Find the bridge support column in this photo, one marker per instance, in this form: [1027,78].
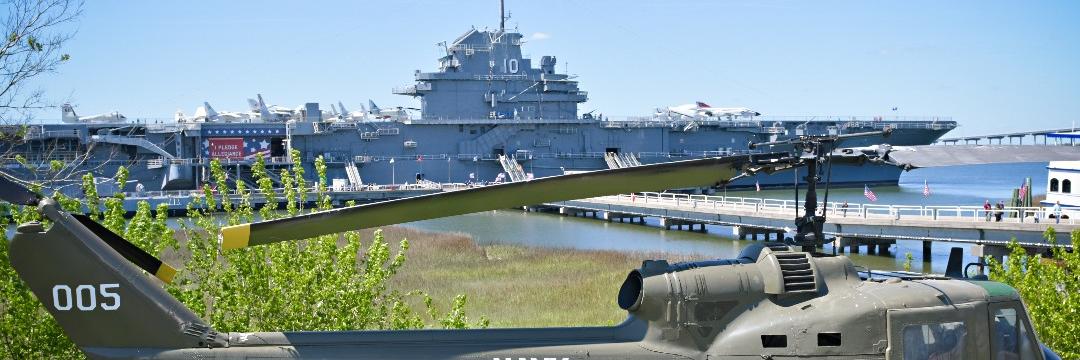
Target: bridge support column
[883,248]
[996,252]
[926,253]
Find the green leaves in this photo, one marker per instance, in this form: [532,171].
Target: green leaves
[90,195]
[1050,288]
[55,166]
[34,44]
[122,175]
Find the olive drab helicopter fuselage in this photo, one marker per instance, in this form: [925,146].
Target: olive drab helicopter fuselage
[773,301]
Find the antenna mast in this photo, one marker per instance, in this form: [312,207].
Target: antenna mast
[502,16]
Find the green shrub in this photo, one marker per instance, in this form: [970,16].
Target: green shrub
[1050,289]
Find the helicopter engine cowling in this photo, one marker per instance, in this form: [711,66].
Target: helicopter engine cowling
[680,292]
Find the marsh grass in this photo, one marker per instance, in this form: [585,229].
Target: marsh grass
[518,286]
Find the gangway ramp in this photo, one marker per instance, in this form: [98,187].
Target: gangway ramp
[611,160]
[620,160]
[512,168]
[353,173]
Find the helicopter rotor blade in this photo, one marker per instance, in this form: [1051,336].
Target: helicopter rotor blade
[129,251]
[921,156]
[654,177]
[16,193]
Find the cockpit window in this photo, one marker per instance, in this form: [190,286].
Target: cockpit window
[1011,336]
[941,341]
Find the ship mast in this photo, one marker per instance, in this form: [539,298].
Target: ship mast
[502,16]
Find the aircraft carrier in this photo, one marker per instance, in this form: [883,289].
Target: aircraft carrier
[487,114]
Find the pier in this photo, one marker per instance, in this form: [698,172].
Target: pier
[873,226]
[1018,137]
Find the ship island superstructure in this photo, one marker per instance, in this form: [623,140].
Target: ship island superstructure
[487,114]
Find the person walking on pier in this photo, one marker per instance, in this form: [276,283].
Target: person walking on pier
[1000,211]
[1057,211]
[986,209]
[844,208]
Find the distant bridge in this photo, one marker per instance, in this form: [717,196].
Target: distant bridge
[1018,136]
[858,224]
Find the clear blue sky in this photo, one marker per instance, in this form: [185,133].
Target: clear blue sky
[991,65]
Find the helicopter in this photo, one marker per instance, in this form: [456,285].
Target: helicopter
[779,300]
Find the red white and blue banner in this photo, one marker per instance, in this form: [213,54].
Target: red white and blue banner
[235,147]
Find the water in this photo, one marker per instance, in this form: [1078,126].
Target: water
[960,185]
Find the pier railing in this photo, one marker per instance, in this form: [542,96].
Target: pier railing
[957,213]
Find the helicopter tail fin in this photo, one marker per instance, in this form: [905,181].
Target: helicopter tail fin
[96,291]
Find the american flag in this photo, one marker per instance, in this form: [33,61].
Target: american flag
[1023,190]
[869,194]
[925,189]
[757,186]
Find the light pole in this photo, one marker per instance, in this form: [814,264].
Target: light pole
[476,167]
[393,172]
[448,169]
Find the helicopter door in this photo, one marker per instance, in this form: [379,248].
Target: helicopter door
[935,333]
[1011,337]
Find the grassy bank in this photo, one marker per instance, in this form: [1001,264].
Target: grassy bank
[517,286]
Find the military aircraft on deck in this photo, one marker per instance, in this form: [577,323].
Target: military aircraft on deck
[773,301]
[700,109]
[68,116]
